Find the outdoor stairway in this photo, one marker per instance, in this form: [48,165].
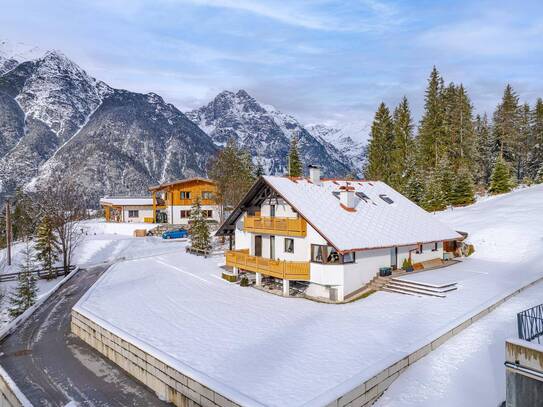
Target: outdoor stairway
[396,285]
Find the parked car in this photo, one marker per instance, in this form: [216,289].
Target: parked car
[175,234]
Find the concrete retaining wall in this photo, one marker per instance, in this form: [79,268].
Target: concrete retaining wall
[10,395]
[166,382]
[366,394]
[182,391]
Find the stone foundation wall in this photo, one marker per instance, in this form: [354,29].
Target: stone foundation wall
[182,391]
[367,393]
[166,382]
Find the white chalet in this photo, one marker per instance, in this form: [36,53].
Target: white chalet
[333,234]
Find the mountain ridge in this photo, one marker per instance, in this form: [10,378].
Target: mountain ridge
[266,133]
[55,117]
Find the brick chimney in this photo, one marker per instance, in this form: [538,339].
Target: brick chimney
[314,174]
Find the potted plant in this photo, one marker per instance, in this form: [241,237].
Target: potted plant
[407,265]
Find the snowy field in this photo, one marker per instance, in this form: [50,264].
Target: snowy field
[102,242]
[468,369]
[261,349]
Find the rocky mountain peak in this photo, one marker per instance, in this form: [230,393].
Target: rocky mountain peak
[56,118]
[265,132]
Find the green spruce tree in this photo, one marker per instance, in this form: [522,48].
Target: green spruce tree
[524,145]
[445,173]
[535,158]
[483,153]
[200,238]
[431,138]
[26,292]
[459,130]
[295,168]
[414,181]
[403,146]
[462,190]
[434,198]
[380,161]
[506,125]
[47,246]
[501,180]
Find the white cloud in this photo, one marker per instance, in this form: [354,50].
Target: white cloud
[377,15]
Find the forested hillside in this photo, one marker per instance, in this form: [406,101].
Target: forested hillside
[452,152]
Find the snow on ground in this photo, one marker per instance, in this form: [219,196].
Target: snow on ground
[261,349]
[468,369]
[102,242]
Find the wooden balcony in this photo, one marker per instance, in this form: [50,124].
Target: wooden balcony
[275,226]
[290,270]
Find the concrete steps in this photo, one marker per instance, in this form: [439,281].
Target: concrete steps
[396,285]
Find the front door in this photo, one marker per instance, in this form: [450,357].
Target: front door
[394,257]
[258,246]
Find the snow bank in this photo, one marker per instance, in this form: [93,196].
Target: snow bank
[100,226]
[249,345]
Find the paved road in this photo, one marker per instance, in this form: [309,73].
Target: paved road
[53,367]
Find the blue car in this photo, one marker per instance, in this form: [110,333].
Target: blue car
[175,234]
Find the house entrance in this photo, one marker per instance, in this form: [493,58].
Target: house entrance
[394,257]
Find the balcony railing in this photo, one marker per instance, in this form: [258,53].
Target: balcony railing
[275,226]
[290,270]
[530,323]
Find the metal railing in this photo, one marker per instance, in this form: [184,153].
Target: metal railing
[530,324]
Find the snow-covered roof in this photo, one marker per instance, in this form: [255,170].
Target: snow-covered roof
[382,217]
[126,201]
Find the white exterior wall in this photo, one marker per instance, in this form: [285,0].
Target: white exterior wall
[346,278]
[282,209]
[144,212]
[174,213]
[428,253]
[365,268]
[242,239]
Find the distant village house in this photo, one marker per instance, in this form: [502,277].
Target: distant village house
[169,203]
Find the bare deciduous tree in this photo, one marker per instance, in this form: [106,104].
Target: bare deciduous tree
[63,201]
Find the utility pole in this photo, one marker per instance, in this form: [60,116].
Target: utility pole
[8,231]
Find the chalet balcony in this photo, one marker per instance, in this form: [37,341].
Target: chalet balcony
[289,270]
[275,226]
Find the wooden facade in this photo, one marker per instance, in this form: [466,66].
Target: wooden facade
[275,225]
[288,270]
[183,193]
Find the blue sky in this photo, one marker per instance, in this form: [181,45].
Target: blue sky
[320,60]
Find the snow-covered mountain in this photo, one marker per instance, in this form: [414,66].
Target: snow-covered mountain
[55,118]
[349,139]
[266,133]
[13,53]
